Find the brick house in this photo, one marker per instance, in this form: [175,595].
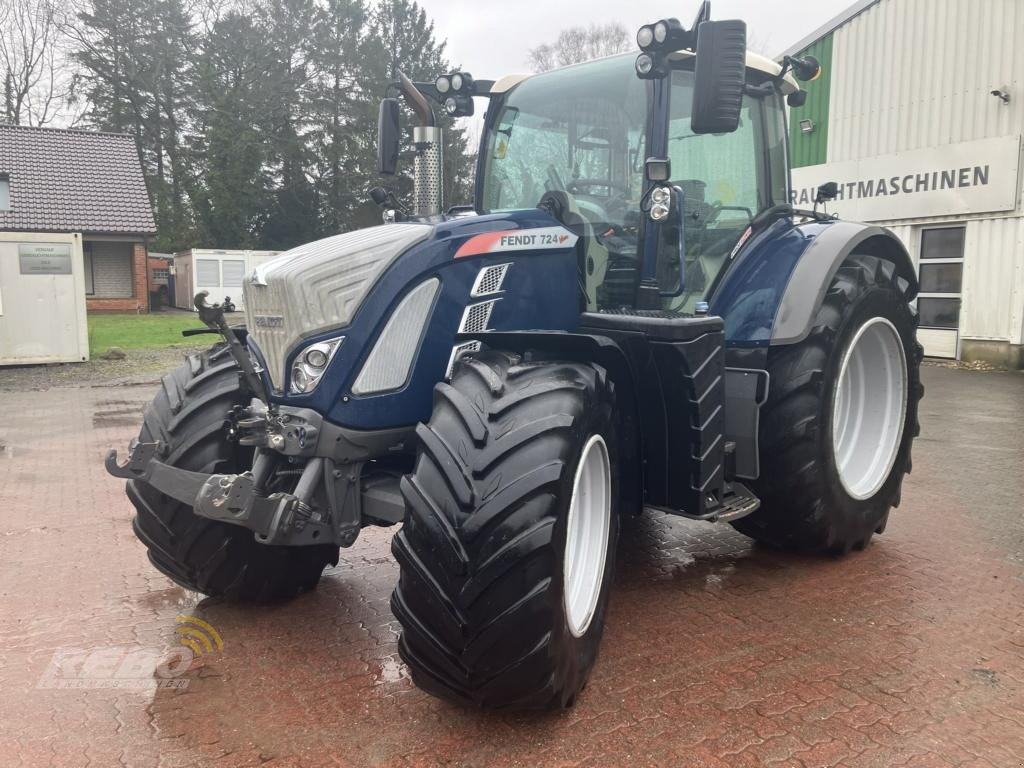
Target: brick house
[55,180]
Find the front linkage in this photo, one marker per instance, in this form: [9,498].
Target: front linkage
[330,458]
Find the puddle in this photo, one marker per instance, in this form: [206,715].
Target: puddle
[116,413]
[177,598]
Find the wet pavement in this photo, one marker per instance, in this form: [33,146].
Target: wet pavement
[716,653]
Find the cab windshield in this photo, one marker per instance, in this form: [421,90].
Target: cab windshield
[580,133]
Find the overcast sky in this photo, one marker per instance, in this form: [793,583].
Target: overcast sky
[491,39]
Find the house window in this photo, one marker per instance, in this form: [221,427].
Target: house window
[5,193]
[90,283]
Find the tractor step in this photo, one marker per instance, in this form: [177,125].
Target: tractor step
[737,502]
[740,502]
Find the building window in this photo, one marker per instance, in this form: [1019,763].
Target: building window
[941,276]
[207,273]
[5,193]
[233,272]
[108,269]
[161,274]
[90,283]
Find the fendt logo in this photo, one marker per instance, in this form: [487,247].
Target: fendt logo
[528,241]
[269,321]
[133,668]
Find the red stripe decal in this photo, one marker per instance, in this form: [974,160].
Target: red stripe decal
[481,243]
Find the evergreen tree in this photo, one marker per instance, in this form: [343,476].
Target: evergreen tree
[233,192]
[256,120]
[338,113]
[293,215]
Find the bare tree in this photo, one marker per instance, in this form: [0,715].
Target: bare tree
[576,44]
[37,80]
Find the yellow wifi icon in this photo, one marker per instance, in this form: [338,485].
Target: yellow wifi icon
[198,635]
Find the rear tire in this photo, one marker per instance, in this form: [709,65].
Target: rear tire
[215,558]
[516,466]
[813,498]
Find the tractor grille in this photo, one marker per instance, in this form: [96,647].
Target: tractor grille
[489,280]
[477,317]
[458,351]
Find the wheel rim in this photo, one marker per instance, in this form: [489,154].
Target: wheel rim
[869,408]
[586,539]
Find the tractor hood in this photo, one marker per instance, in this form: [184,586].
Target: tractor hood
[318,286]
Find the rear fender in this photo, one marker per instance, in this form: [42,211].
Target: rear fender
[815,270]
[772,293]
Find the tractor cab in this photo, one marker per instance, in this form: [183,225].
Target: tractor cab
[577,141]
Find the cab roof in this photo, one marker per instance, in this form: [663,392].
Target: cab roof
[754,61]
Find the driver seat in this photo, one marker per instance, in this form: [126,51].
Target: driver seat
[593,255]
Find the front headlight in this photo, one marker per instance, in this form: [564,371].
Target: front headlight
[310,364]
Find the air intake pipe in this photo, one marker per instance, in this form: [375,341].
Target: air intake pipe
[428,164]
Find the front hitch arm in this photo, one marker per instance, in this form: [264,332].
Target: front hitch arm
[280,518]
[212,316]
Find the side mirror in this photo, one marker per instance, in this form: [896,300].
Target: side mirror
[719,76]
[805,68]
[388,137]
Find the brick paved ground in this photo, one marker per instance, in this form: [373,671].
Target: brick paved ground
[716,653]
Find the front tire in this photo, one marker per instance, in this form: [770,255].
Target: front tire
[208,556]
[507,549]
[841,416]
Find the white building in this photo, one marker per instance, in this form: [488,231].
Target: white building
[918,116]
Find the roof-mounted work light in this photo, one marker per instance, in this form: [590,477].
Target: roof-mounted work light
[454,92]
[456,83]
[664,35]
[651,66]
[661,38]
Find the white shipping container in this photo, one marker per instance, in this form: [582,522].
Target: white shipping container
[218,271]
[42,299]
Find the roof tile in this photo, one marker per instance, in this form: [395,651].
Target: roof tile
[65,180]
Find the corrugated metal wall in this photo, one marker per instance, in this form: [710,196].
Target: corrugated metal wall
[918,73]
[910,74]
[811,148]
[992,302]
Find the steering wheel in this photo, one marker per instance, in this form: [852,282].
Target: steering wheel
[718,208]
[575,185]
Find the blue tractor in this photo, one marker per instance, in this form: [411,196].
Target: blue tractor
[631,315]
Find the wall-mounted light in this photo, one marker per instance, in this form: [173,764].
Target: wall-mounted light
[806,125]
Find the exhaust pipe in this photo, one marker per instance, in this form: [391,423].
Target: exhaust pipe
[428,165]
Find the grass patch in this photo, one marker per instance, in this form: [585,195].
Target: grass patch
[154,331]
